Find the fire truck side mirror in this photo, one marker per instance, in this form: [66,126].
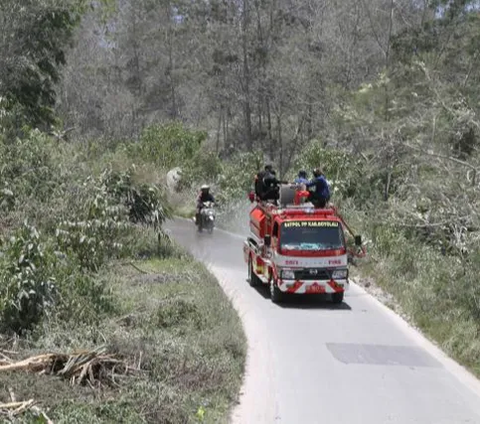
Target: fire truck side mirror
[268,240]
[358,240]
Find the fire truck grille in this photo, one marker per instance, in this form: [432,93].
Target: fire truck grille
[313,274]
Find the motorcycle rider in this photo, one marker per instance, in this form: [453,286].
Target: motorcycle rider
[320,195]
[204,196]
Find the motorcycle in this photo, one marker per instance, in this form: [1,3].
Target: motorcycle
[207,218]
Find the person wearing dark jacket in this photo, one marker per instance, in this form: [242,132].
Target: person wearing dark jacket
[204,196]
[259,183]
[320,193]
[271,186]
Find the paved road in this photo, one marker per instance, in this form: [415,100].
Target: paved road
[312,362]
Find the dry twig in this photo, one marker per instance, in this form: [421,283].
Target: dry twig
[92,367]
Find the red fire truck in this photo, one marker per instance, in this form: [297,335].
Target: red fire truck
[299,249]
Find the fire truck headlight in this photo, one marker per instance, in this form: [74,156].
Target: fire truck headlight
[340,274]
[287,274]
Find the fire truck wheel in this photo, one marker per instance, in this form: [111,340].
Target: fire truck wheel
[276,295]
[253,280]
[337,297]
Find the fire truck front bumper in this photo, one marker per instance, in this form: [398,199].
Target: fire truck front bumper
[314,287]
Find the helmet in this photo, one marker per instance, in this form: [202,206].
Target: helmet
[205,187]
[302,173]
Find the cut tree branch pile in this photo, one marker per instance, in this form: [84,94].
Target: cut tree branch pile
[92,367]
[14,408]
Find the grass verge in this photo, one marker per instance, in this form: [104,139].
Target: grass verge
[173,323]
[438,293]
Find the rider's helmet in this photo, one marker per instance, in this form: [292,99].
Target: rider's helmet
[205,188]
[317,172]
[302,174]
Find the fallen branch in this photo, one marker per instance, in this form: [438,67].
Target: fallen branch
[12,395]
[85,366]
[438,155]
[15,405]
[14,408]
[41,413]
[136,267]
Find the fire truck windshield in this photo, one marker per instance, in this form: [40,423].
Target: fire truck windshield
[311,235]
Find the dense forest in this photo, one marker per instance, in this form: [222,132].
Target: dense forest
[99,99]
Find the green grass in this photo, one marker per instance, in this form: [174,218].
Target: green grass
[440,294]
[175,322]
[185,212]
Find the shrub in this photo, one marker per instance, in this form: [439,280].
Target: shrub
[168,145]
[238,176]
[81,223]
[27,168]
[28,286]
[145,203]
[36,280]
[204,166]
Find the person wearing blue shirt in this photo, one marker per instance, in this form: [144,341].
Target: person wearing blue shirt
[301,178]
[320,193]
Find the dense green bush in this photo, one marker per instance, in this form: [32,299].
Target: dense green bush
[205,166]
[167,145]
[26,168]
[145,203]
[28,286]
[238,176]
[81,222]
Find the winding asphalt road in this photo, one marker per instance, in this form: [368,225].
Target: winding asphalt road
[312,362]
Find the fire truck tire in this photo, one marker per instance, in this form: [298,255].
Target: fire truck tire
[276,295]
[337,298]
[287,195]
[253,280]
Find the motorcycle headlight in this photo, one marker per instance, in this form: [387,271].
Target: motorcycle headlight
[287,274]
[340,274]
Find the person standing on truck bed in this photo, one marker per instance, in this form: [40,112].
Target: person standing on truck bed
[302,178]
[266,184]
[320,194]
[259,185]
[271,186]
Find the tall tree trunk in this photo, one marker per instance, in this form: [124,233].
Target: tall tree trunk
[388,178]
[224,127]
[271,142]
[246,77]
[219,127]
[280,144]
[137,89]
[171,65]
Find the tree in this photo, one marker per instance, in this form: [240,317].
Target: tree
[35,36]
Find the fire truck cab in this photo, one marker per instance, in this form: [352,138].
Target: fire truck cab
[298,249]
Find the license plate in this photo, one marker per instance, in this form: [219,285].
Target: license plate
[315,288]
